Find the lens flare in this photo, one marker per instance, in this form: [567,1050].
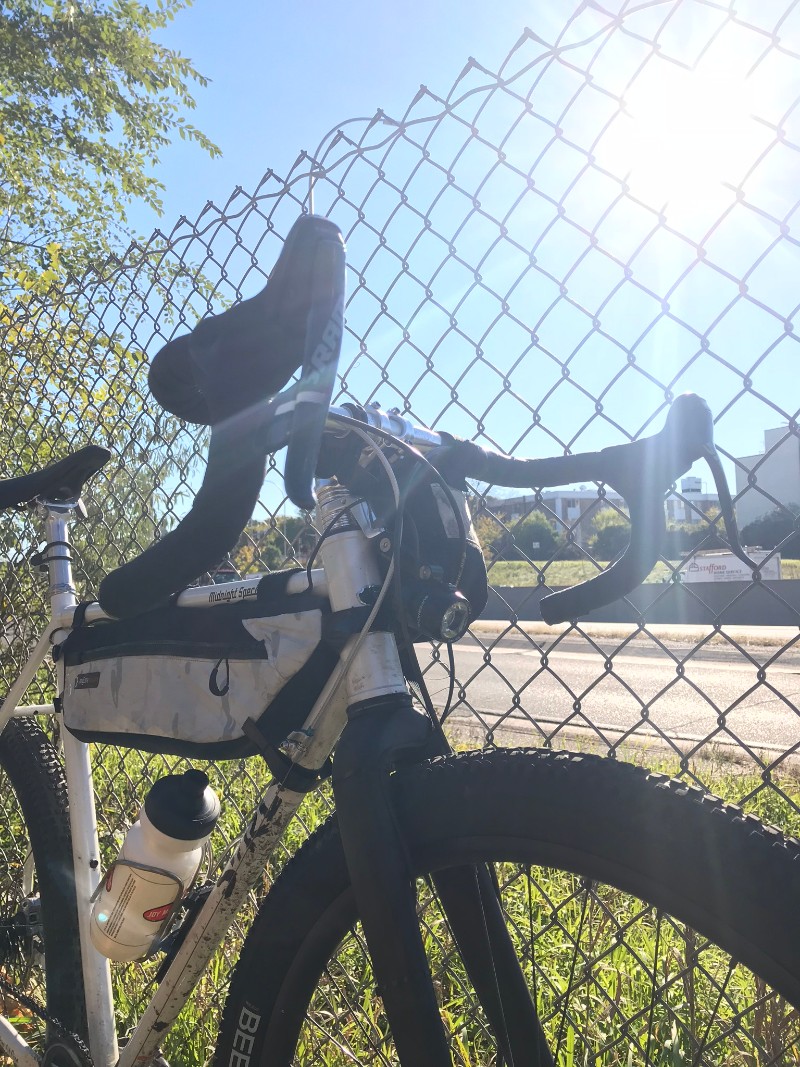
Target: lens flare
[683,135]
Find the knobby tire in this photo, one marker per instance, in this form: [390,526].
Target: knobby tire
[630,898]
[39,954]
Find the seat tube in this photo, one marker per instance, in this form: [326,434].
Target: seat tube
[57,558]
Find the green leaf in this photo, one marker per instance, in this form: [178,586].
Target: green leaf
[89,100]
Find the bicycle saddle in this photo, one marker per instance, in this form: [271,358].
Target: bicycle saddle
[250,351]
[62,480]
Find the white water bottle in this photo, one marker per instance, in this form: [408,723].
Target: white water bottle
[158,862]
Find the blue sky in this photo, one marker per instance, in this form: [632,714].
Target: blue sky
[283,74]
[282,77]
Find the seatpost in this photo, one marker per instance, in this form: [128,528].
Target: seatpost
[57,558]
[56,516]
[57,555]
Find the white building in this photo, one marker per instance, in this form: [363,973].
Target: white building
[692,504]
[577,507]
[776,472]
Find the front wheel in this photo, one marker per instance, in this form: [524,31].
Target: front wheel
[654,923]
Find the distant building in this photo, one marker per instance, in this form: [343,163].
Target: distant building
[691,505]
[576,508]
[775,472]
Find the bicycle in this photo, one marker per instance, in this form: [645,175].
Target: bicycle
[430,854]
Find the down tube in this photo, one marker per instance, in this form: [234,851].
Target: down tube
[250,857]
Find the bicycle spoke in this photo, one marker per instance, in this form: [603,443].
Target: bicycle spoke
[653,996]
[624,985]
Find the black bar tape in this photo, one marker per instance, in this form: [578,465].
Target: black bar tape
[222,508]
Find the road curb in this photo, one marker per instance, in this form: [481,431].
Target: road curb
[748,636]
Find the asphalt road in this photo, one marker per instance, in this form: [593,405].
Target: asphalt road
[537,686]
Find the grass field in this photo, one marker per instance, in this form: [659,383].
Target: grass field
[570,572]
[347,1016]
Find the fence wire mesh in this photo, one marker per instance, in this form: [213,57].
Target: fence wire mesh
[540,260]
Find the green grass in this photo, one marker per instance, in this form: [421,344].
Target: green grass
[121,778]
[604,1016]
[611,928]
[570,572]
[557,907]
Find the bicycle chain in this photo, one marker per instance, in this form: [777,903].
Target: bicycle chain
[64,1033]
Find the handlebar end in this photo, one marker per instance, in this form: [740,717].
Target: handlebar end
[323,344]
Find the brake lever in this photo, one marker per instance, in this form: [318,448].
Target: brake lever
[642,472]
[726,508]
[698,433]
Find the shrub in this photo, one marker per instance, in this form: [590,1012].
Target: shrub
[531,538]
[780,528]
[613,534]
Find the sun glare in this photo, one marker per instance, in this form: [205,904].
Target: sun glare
[683,135]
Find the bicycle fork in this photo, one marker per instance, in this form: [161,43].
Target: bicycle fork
[382,731]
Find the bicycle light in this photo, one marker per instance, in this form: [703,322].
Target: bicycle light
[439,612]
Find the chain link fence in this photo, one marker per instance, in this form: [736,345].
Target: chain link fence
[540,260]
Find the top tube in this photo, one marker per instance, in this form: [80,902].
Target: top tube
[210,596]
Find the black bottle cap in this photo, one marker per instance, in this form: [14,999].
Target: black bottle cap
[183,806]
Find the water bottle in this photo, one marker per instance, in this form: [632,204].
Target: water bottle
[158,861]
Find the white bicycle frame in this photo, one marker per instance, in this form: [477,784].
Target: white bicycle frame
[368,667]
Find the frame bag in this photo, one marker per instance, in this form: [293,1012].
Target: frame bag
[184,681]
